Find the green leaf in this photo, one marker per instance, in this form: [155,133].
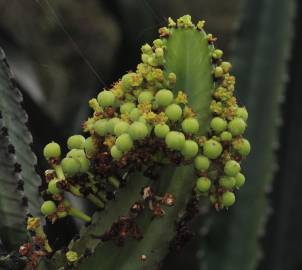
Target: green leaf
[14,119]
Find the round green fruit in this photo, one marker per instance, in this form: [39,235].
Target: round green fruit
[76,153]
[76,142]
[101,127]
[111,124]
[116,153]
[90,147]
[127,107]
[138,130]
[226,136]
[240,180]
[237,126]
[84,164]
[135,114]
[212,149]
[121,128]
[227,182]
[175,140]
[228,199]
[218,124]
[70,166]
[189,149]
[48,208]
[242,146]
[52,150]
[203,184]
[201,163]
[161,130]
[242,113]
[124,142]
[145,97]
[164,97]
[231,168]
[190,125]
[173,112]
[106,98]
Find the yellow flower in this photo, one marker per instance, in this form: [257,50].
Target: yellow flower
[33,223]
[181,98]
[144,107]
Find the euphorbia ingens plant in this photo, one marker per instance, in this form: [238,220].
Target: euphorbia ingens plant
[177,109]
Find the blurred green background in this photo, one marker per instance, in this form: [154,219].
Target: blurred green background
[64,52]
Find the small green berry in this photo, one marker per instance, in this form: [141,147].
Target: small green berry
[127,107]
[116,153]
[173,112]
[112,123]
[48,208]
[175,140]
[76,142]
[190,125]
[242,113]
[90,147]
[158,43]
[127,80]
[161,130]
[226,136]
[70,166]
[138,130]
[228,199]
[52,187]
[218,124]
[212,149]
[189,149]
[237,126]
[227,182]
[242,146]
[240,180]
[106,98]
[203,184]
[76,153]
[164,97]
[218,72]
[145,97]
[145,58]
[135,114]
[201,163]
[142,119]
[226,66]
[52,150]
[101,127]
[159,52]
[231,168]
[217,54]
[172,78]
[124,142]
[121,128]
[84,164]
[147,49]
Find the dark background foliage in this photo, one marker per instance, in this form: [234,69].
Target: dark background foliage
[63,52]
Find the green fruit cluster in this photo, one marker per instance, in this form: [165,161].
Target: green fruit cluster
[218,164]
[144,119]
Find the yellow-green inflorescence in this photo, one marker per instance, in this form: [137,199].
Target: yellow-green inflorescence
[143,120]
